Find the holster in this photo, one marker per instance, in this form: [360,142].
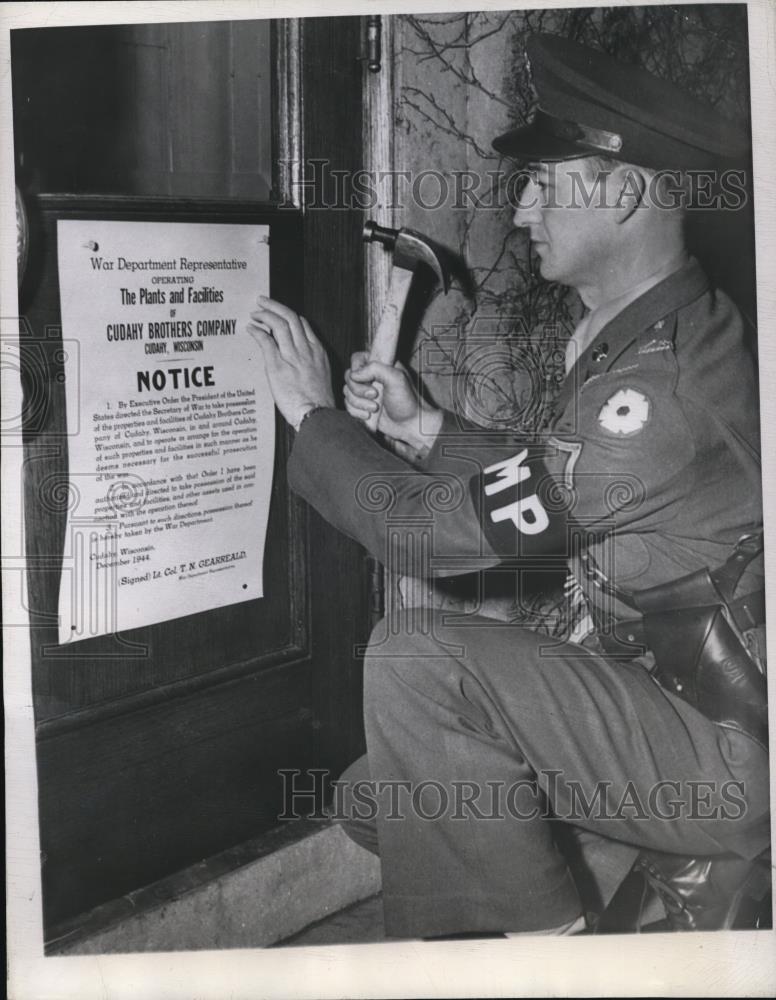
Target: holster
[693,628]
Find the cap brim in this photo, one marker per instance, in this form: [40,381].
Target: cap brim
[531,142]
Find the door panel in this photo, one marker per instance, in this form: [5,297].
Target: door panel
[162,745]
[151,109]
[127,799]
[241,637]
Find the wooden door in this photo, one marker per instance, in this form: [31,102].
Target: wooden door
[163,745]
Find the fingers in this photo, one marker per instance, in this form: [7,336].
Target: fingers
[374,371]
[359,407]
[293,319]
[262,335]
[361,390]
[288,328]
[279,330]
[308,332]
[358,360]
[267,344]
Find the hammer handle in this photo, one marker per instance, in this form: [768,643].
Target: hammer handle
[386,338]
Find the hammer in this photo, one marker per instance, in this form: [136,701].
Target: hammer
[410,250]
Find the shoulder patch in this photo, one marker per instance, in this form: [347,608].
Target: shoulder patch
[625,413]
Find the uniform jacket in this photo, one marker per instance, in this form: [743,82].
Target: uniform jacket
[651,463]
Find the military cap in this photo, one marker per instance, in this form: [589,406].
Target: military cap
[591,104]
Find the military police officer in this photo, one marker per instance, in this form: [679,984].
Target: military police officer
[644,733]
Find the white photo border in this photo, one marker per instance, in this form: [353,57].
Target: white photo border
[716,964]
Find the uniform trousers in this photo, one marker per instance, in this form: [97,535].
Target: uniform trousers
[496,755]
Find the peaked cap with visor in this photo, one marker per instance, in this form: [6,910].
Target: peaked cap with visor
[591,104]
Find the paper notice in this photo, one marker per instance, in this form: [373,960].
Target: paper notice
[171,425]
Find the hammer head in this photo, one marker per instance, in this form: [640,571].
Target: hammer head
[409,249]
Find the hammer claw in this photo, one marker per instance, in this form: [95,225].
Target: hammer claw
[410,249]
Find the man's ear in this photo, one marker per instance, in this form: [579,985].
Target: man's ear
[632,192]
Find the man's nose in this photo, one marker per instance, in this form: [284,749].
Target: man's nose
[527,211]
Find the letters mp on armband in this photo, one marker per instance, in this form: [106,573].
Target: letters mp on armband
[518,503]
[526,513]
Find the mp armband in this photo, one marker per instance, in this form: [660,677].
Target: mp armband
[523,510]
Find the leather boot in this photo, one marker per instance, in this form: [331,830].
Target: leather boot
[697,894]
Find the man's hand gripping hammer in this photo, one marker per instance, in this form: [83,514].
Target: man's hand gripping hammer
[410,251]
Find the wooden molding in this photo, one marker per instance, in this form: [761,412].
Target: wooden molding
[289,127]
[379,107]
